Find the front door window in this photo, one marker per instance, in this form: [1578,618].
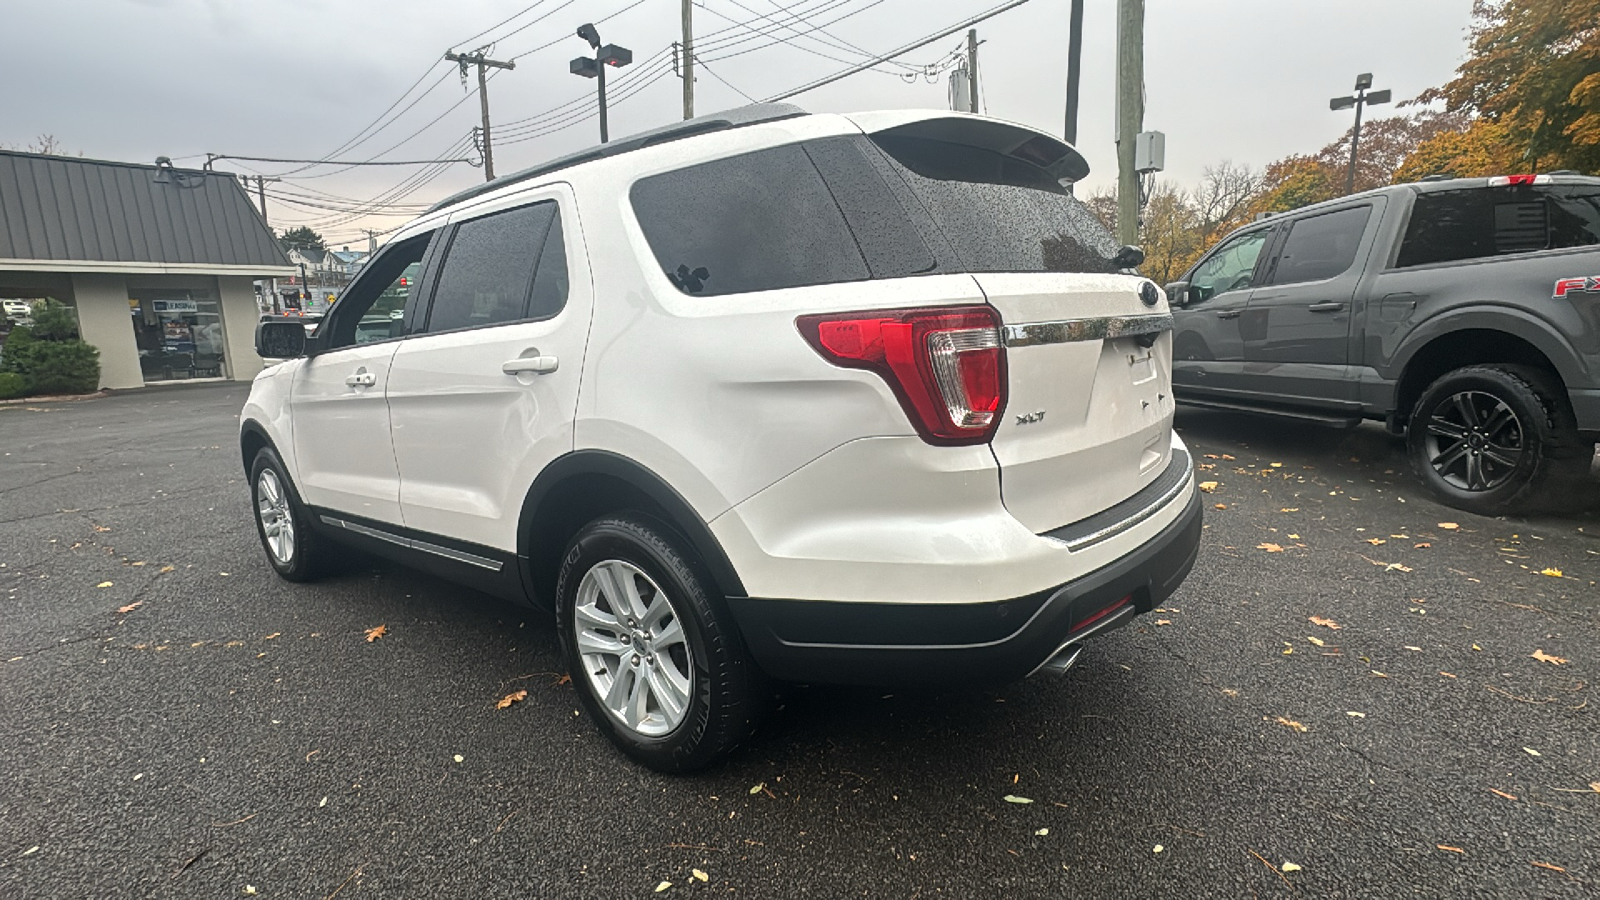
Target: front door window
[1228,269]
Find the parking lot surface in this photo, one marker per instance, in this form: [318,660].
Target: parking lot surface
[1357,693]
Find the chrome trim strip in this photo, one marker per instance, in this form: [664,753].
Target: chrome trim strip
[1096,329]
[1116,528]
[414,544]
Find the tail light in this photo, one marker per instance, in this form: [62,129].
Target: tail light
[945,364]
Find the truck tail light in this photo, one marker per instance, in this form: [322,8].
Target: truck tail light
[945,364]
[1510,180]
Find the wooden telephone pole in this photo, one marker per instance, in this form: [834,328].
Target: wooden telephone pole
[477,58]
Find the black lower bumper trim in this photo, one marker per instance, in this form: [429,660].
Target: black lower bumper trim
[944,644]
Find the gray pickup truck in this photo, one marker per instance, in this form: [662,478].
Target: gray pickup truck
[1465,313]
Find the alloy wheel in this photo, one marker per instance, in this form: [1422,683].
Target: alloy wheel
[1475,442]
[634,650]
[277,523]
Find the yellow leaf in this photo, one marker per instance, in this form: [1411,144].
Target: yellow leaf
[1013,798]
[1294,537]
[1531,752]
[275,634]
[375,633]
[1422,546]
[1042,832]
[1553,573]
[1287,723]
[1355,715]
[1220,506]
[1269,547]
[130,607]
[1316,640]
[1277,465]
[699,875]
[759,788]
[1290,509]
[510,698]
[663,886]
[1325,622]
[1449,526]
[1542,656]
[166,569]
[1208,486]
[1290,867]
[103,584]
[1376,541]
[1163,621]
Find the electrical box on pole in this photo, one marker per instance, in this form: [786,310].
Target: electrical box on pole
[1149,152]
[960,89]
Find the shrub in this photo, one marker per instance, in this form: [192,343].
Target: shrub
[54,321]
[57,366]
[12,385]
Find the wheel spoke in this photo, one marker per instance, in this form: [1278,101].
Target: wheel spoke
[1469,413]
[1446,460]
[594,642]
[671,634]
[622,677]
[1498,419]
[637,702]
[1505,456]
[658,609]
[1446,428]
[589,617]
[670,696]
[1475,479]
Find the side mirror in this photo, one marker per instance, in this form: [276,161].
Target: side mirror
[1178,294]
[280,338]
[1127,257]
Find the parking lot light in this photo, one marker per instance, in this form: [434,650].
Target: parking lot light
[586,67]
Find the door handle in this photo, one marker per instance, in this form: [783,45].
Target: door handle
[362,379]
[531,365]
[1325,307]
[1228,313]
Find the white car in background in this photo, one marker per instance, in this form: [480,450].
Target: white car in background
[17,310]
[860,398]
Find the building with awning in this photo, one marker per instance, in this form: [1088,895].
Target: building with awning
[159,262]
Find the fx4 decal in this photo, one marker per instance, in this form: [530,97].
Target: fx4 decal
[1568,285]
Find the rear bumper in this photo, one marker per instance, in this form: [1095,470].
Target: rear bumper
[945,644]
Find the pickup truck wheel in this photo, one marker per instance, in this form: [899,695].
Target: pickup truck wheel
[1488,439]
[294,551]
[656,659]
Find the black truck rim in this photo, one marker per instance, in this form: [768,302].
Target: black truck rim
[1475,441]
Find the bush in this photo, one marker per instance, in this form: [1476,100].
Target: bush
[54,321]
[59,366]
[12,385]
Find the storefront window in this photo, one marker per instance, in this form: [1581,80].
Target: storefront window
[179,333]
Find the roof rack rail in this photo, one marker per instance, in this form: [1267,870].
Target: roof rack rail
[1438,176]
[739,117]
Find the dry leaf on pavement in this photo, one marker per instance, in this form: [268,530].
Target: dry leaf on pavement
[1291,867]
[1542,656]
[1553,573]
[1208,486]
[103,584]
[1376,541]
[1545,865]
[1269,547]
[1449,526]
[375,633]
[130,607]
[1450,848]
[1013,798]
[1287,723]
[699,875]
[1324,621]
[663,886]
[510,698]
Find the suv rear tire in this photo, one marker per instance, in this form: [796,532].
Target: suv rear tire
[1491,439]
[654,655]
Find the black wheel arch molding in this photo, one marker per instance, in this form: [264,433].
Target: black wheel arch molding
[1542,335]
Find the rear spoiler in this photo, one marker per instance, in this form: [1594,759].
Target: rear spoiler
[1036,148]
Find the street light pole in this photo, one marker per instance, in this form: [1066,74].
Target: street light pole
[609,55]
[1362,97]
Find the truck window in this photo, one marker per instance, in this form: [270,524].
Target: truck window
[1228,269]
[1320,247]
[1448,226]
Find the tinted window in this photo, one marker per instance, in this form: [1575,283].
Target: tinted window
[1320,247]
[370,309]
[1469,224]
[755,222]
[1230,268]
[999,213]
[488,271]
[881,221]
[550,280]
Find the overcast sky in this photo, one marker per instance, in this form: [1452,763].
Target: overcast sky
[1246,80]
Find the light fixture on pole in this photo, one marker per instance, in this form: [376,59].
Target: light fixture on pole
[608,55]
[1363,97]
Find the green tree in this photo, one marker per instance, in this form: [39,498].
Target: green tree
[48,355]
[301,238]
[1534,69]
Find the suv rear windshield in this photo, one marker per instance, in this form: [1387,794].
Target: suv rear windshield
[1447,226]
[850,209]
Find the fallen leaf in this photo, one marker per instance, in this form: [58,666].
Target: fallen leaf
[1450,848]
[1396,567]
[1042,832]
[1294,537]
[1276,465]
[1422,546]
[1269,547]
[1163,621]
[1553,573]
[511,698]
[166,569]
[375,633]
[1226,456]
[1376,541]
[1449,526]
[1542,656]
[1157,848]
[103,584]
[1377,674]
[459,758]
[1290,867]
[699,875]
[1013,798]
[1502,794]
[1316,640]
[1325,622]
[275,634]
[1287,723]
[1290,509]
[130,607]
[1416,649]
[759,788]
[1220,506]
[1545,865]
[1476,647]
[1532,752]
[663,886]
[1208,486]
[1356,715]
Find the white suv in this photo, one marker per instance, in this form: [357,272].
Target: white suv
[830,398]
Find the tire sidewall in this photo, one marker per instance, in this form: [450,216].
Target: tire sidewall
[1533,416]
[301,565]
[653,548]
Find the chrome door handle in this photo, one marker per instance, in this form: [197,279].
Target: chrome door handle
[1325,307]
[1228,313]
[530,365]
[362,379]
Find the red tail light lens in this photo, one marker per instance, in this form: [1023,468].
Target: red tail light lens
[945,364]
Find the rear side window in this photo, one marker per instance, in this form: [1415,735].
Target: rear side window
[488,277]
[1448,226]
[1320,247]
[755,222]
[999,213]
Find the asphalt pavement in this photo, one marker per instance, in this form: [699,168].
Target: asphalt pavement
[1397,698]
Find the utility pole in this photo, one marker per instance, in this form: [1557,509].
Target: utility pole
[477,58]
[1130,114]
[972,68]
[1074,59]
[688,59]
[372,242]
[1361,98]
[261,193]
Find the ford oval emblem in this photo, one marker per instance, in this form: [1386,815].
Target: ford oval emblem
[1149,294]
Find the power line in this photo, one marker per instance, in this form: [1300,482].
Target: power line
[332,162]
[713,74]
